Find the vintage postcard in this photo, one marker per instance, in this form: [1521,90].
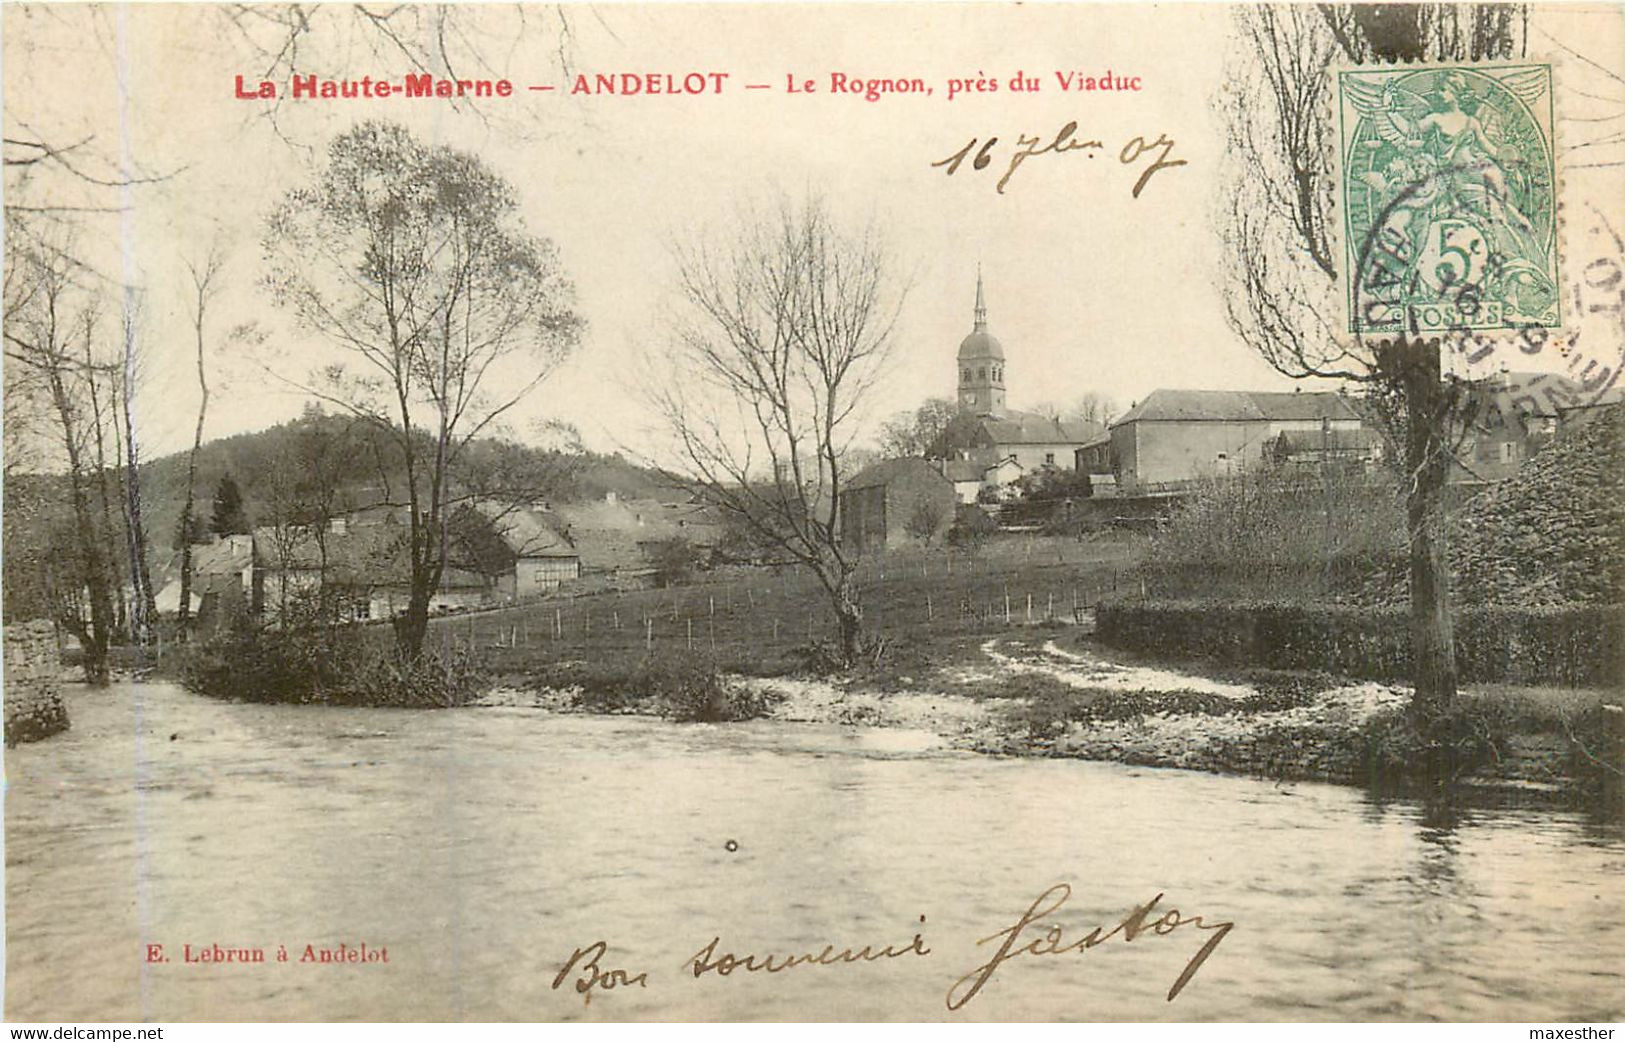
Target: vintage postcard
[814,512]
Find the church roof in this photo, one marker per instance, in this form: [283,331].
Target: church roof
[1015,427]
[980,345]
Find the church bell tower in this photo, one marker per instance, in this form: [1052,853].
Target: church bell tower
[981,364]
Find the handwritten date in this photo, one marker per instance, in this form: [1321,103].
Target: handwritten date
[1065,140]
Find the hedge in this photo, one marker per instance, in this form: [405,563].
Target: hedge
[1572,645]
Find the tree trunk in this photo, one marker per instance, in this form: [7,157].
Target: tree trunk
[183,613]
[849,615]
[96,639]
[1433,645]
[144,602]
[413,627]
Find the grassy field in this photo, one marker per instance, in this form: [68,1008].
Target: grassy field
[754,619]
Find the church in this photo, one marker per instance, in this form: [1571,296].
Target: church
[990,443]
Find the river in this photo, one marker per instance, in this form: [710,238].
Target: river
[479,848]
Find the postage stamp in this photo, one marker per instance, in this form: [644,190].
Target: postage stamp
[1448,199]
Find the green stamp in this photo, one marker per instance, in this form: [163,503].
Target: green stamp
[1448,197]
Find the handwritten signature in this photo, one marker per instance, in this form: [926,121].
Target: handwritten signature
[1030,935]
[1053,940]
[1065,140]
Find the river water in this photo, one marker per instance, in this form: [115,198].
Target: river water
[480,848]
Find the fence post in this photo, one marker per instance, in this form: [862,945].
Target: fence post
[649,633]
[1029,608]
[928,613]
[1051,612]
[1007,607]
[558,624]
[690,634]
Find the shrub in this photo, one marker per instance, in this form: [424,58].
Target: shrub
[681,687]
[1573,645]
[332,665]
[1273,529]
[675,561]
[971,527]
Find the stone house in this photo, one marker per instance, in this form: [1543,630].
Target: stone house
[971,478]
[365,569]
[224,582]
[1175,437]
[896,502]
[544,557]
[1511,416]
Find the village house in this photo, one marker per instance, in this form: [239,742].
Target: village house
[1175,437]
[362,571]
[614,537]
[544,557]
[971,478]
[1510,417]
[894,502]
[223,582]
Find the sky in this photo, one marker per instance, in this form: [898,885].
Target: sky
[1088,288]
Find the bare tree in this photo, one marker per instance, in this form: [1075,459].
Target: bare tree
[916,433]
[927,516]
[143,607]
[48,319]
[786,325]
[205,275]
[1093,407]
[411,260]
[1280,293]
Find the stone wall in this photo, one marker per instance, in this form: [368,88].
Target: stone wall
[34,708]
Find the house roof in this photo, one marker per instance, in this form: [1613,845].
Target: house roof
[216,567]
[1525,395]
[366,554]
[963,470]
[1180,404]
[889,470]
[1337,440]
[1104,438]
[610,534]
[1030,428]
[230,556]
[530,532]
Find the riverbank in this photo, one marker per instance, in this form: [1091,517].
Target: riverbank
[1051,691]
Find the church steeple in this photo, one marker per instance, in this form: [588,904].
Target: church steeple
[981,364]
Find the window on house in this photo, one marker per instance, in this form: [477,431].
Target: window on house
[1049,457]
[981,374]
[967,376]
